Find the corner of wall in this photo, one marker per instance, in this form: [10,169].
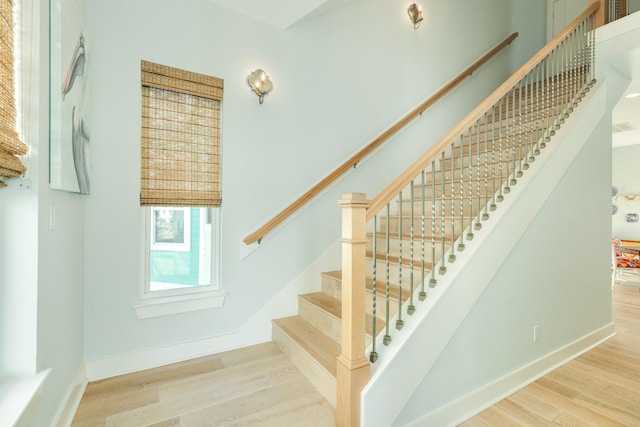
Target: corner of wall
[256,330]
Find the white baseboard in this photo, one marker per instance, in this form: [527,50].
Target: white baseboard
[72,399]
[478,400]
[255,331]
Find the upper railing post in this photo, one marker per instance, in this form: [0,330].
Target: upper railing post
[601,13]
[353,368]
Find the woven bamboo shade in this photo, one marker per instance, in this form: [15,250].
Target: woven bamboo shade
[180,137]
[10,144]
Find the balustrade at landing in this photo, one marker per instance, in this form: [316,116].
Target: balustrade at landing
[399,244]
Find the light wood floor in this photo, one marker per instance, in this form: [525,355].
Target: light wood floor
[599,388]
[258,386]
[253,386]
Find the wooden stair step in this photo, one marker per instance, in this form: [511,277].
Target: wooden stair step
[330,307]
[313,353]
[407,236]
[393,259]
[394,290]
[318,345]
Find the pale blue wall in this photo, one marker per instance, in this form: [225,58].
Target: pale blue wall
[41,269]
[339,80]
[547,280]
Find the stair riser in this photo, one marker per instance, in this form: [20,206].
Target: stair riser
[315,373]
[394,274]
[333,288]
[528,113]
[328,324]
[522,131]
[380,305]
[493,165]
[417,223]
[477,187]
[475,173]
[394,248]
[466,210]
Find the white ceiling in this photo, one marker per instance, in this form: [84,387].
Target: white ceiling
[283,13]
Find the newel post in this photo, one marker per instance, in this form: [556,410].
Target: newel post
[601,13]
[353,369]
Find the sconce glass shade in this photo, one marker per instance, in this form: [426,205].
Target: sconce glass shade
[415,15]
[260,84]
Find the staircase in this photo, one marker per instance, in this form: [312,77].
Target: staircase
[421,223]
[463,188]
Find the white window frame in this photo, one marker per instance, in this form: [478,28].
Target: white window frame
[178,300]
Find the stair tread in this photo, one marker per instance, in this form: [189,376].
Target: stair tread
[319,346]
[394,260]
[380,285]
[407,236]
[330,304]
[333,306]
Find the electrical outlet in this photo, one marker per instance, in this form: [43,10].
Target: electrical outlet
[536,333]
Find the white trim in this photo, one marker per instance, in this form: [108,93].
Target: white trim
[165,306]
[255,331]
[17,397]
[492,393]
[72,399]
[404,363]
[173,290]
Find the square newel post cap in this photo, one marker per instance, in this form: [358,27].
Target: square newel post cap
[353,199]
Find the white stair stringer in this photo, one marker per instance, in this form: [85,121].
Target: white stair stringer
[403,364]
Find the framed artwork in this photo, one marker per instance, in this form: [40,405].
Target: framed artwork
[69,134]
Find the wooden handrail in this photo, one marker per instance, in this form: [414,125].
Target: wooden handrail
[356,158]
[428,157]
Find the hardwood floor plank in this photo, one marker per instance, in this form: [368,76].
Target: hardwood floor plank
[259,406]
[174,422]
[189,395]
[568,405]
[259,386]
[527,399]
[188,387]
[521,413]
[149,377]
[491,417]
[93,411]
[599,388]
[606,398]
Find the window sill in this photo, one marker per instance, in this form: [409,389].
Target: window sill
[166,306]
[17,395]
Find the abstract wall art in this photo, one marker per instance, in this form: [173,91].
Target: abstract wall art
[69,134]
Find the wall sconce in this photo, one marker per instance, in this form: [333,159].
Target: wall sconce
[260,84]
[415,15]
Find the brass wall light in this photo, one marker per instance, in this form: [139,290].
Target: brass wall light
[260,84]
[415,15]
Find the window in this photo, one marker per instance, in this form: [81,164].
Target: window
[10,144]
[180,179]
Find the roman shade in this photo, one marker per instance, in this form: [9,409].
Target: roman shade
[180,155]
[10,144]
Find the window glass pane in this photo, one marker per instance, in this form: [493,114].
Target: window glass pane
[180,248]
